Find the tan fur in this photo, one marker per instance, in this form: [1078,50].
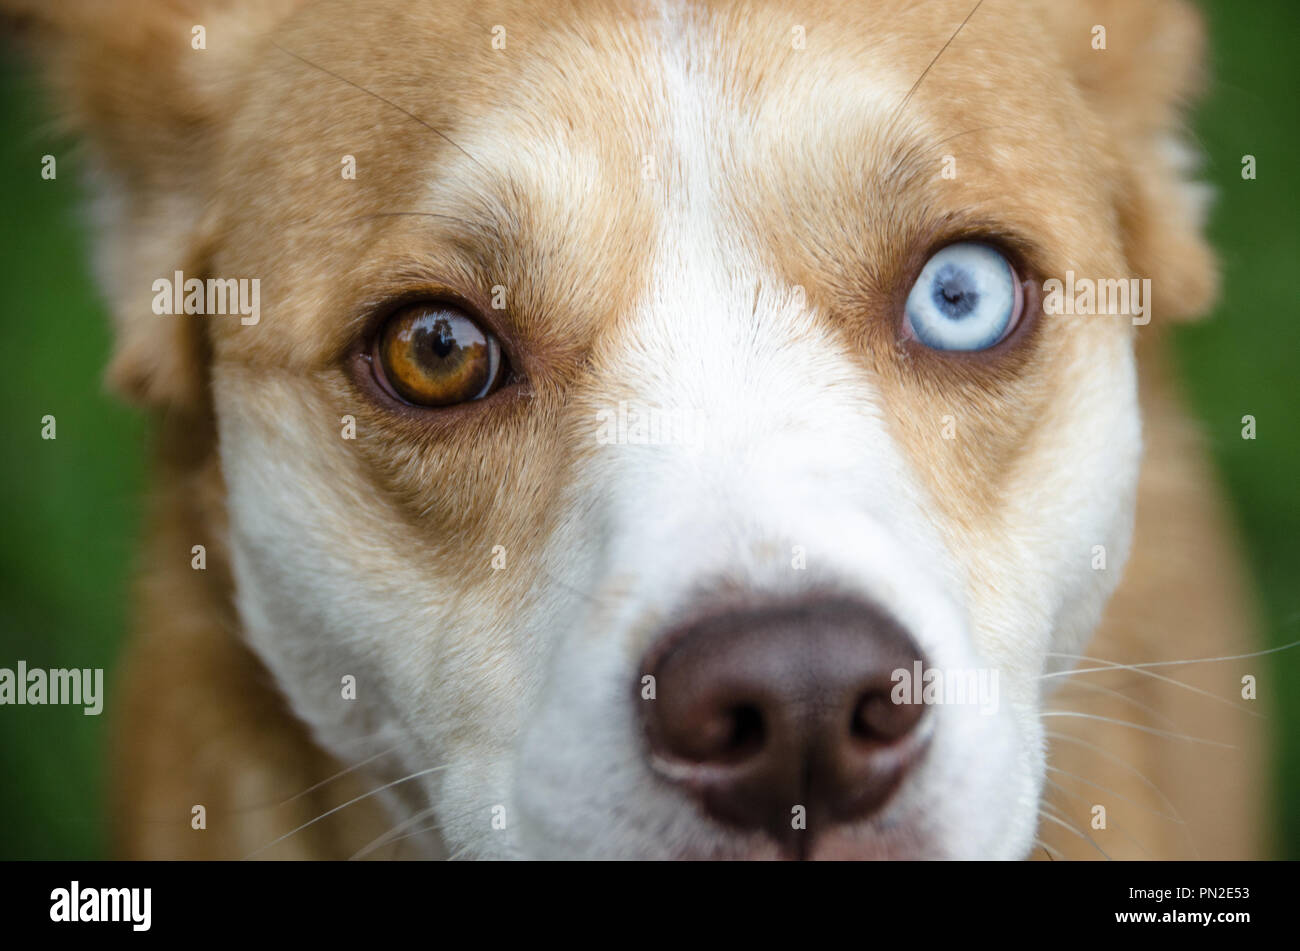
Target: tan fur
[215,179]
[1183,596]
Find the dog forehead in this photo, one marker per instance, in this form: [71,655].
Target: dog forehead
[588,137]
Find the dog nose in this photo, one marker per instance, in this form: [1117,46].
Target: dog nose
[757,712]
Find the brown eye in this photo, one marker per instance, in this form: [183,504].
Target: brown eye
[434,355]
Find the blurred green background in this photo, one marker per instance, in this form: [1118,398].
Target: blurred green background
[71,507]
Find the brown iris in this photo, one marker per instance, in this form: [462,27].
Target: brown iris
[434,355]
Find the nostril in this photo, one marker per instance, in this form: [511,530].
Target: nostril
[727,735]
[877,718]
[748,733]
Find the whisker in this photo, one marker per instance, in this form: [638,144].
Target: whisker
[1121,762]
[1098,688]
[271,803]
[958,135]
[1052,854]
[1137,726]
[384,839]
[1118,828]
[1138,669]
[1132,769]
[1171,663]
[599,600]
[330,812]
[1110,792]
[926,72]
[1065,825]
[326,221]
[340,774]
[411,214]
[406,112]
[420,831]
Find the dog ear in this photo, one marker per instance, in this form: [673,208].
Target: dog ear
[1139,66]
[144,85]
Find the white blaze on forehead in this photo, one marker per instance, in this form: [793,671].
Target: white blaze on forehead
[777,436]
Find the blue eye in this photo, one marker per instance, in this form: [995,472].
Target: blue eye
[967,298]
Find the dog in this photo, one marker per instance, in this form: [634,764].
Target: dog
[669,429]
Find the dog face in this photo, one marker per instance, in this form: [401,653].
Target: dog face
[666,379]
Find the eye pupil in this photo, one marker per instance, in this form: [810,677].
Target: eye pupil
[441,339]
[954,292]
